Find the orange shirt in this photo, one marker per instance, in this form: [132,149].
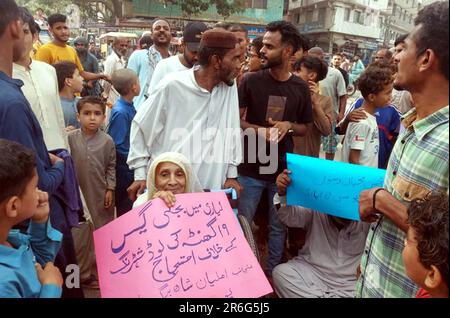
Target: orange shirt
[51,53]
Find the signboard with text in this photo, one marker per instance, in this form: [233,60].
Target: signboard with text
[330,187]
[194,250]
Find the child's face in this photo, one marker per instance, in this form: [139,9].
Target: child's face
[91,117]
[306,74]
[383,98]
[413,267]
[170,177]
[29,200]
[254,61]
[76,82]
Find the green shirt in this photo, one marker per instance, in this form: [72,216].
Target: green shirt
[418,166]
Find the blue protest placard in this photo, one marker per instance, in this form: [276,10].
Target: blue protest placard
[330,187]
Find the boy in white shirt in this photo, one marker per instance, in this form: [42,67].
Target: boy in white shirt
[361,143]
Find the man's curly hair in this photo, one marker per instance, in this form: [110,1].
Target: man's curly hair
[375,77]
[433,33]
[429,220]
[289,35]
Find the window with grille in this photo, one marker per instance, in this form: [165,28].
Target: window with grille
[248,3]
[347,14]
[358,17]
[322,15]
[255,4]
[259,4]
[309,16]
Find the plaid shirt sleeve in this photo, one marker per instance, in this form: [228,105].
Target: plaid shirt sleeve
[418,165]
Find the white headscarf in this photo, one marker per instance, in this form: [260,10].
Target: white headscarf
[192,183]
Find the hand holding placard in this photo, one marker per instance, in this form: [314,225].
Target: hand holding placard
[192,249]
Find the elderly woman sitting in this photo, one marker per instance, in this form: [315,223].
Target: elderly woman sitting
[169,174]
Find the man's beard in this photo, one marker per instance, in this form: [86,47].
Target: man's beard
[188,60]
[159,43]
[226,78]
[270,64]
[120,53]
[230,82]
[82,52]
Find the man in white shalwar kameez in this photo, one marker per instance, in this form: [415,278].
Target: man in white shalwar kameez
[196,113]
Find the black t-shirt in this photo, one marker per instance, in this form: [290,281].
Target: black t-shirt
[264,97]
[345,75]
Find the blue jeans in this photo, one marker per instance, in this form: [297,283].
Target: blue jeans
[248,202]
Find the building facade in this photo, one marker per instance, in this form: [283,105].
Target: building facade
[351,26]
[399,19]
[255,17]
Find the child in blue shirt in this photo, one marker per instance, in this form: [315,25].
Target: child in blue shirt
[70,83]
[26,260]
[126,83]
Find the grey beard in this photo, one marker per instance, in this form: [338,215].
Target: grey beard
[82,52]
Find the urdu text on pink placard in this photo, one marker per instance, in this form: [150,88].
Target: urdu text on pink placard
[193,250]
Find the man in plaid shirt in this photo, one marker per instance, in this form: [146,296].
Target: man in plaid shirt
[419,161]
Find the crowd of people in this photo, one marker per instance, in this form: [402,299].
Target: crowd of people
[79,148]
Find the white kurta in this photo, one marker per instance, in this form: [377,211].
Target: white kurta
[181,116]
[112,63]
[41,90]
[165,67]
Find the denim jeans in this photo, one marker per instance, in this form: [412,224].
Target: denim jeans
[248,202]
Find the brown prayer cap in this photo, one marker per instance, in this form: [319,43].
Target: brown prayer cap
[218,38]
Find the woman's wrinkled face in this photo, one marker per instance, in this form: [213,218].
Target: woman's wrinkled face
[170,177]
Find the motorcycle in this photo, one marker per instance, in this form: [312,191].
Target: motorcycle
[355,71]
[351,88]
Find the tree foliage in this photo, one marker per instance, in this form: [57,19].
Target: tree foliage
[48,6]
[112,9]
[109,9]
[225,8]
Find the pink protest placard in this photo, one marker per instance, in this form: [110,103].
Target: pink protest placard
[194,250]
